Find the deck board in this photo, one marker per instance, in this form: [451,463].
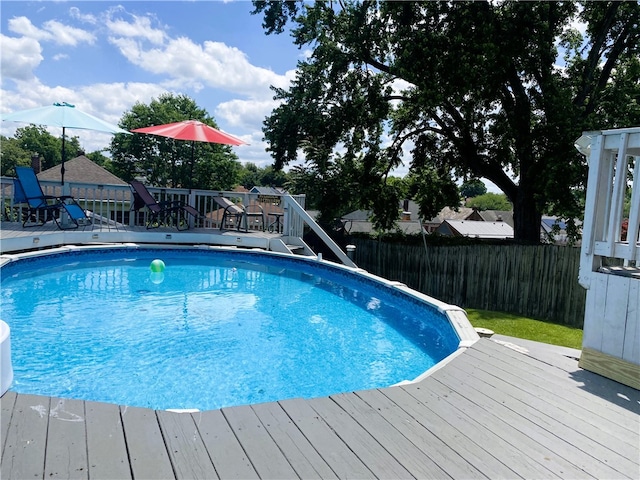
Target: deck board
[490,412]
[442,451]
[304,459]
[106,445]
[544,417]
[598,395]
[7,403]
[24,447]
[536,400]
[228,457]
[338,455]
[186,449]
[148,456]
[265,456]
[550,451]
[363,444]
[66,453]
[511,462]
[413,458]
[480,458]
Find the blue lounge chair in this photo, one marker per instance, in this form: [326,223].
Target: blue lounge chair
[42,208]
[163,213]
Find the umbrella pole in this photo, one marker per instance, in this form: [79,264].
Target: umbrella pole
[191,173]
[62,167]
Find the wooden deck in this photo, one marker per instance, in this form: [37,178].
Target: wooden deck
[491,412]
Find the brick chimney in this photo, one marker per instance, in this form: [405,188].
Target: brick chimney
[406,214]
[36,163]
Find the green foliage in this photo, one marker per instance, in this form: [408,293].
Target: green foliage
[251,176]
[472,88]
[12,155]
[473,188]
[98,158]
[36,140]
[490,201]
[169,162]
[325,188]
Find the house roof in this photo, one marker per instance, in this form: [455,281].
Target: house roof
[497,216]
[477,229]
[81,170]
[267,190]
[448,213]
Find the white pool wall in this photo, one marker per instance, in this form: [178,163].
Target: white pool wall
[6,367]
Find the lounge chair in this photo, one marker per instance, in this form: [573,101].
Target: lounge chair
[241,215]
[162,213]
[42,208]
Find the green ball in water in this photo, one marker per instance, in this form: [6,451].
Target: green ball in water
[157,266]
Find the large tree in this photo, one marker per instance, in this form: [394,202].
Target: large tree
[495,90]
[35,140]
[167,162]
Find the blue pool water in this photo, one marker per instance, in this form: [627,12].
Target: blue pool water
[219,329]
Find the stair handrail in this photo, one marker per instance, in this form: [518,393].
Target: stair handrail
[290,203]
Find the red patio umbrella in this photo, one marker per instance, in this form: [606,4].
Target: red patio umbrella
[193,130]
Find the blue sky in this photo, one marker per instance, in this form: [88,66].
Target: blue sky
[106,56]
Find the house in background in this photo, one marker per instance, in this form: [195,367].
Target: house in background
[496,216]
[80,170]
[476,229]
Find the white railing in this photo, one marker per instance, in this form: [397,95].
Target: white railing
[614,172]
[112,204]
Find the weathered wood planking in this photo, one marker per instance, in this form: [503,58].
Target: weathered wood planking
[330,447]
[522,388]
[6,410]
[264,454]
[66,440]
[598,395]
[106,444]
[439,450]
[538,411]
[304,459]
[507,424]
[147,451]
[426,403]
[484,461]
[364,445]
[413,458]
[26,442]
[186,449]
[228,457]
[491,412]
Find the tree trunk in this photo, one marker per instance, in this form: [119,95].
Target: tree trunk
[526,218]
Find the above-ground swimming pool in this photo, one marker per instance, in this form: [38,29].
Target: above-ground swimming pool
[210,328]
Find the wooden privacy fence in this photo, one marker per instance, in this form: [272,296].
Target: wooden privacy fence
[533,281]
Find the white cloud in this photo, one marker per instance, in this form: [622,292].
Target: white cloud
[179,65]
[20,56]
[213,64]
[74,12]
[139,28]
[244,113]
[105,101]
[51,31]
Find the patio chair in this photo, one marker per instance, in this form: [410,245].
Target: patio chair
[161,213]
[231,211]
[42,208]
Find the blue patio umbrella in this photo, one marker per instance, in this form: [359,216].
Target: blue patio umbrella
[62,115]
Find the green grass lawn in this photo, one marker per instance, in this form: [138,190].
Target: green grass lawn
[527,328]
